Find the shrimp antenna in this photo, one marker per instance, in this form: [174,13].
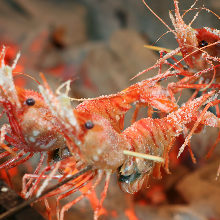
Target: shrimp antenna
[208,10]
[159,18]
[161,37]
[190,8]
[25,74]
[202,8]
[144,156]
[4,146]
[66,85]
[156,48]
[195,16]
[18,208]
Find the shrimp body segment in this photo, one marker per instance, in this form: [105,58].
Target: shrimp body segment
[155,137]
[114,107]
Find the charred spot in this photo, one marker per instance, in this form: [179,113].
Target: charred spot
[89,125]
[30,101]
[203,43]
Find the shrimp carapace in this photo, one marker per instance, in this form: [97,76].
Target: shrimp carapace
[38,125]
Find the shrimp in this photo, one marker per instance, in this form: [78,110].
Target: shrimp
[98,144]
[32,128]
[200,51]
[191,40]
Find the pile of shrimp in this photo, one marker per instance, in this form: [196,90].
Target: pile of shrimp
[69,139]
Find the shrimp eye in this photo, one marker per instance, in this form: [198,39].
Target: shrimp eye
[30,101]
[89,125]
[203,43]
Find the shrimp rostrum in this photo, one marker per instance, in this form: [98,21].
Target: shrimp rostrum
[31,127]
[97,143]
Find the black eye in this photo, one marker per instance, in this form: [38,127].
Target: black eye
[30,101]
[203,43]
[89,125]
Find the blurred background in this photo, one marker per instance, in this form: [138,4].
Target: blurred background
[99,45]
